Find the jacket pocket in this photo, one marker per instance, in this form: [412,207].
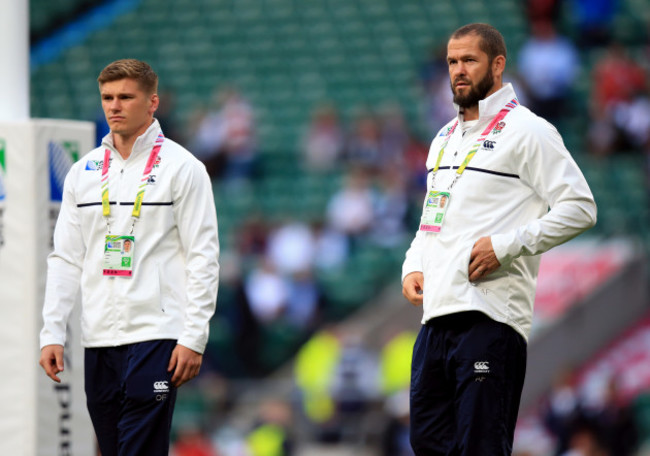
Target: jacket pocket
[161,288]
[466,255]
[169,296]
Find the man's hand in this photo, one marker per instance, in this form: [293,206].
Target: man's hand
[413,287]
[52,361]
[185,363]
[482,260]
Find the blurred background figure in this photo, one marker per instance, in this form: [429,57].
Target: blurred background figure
[543,11]
[192,441]
[267,292]
[354,386]
[224,137]
[331,247]
[616,422]
[395,363]
[437,97]
[323,143]
[563,410]
[594,19]
[350,210]
[394,382]
[390,209]
[585,441]
[165,116]
[314,369]
[548,65]
[363,146]
[271,435]
[394,138]
[619,104]
[396,436]
[291,248]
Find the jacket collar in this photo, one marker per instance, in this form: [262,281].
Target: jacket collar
[144,142]
[490,106]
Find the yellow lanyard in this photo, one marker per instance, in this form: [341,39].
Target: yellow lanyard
[137,205]
[499,117]
[444,144]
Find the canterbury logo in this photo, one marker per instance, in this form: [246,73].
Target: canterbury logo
[482,366]
[160,387]
[489,144]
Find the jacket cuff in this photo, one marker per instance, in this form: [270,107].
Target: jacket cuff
[51,340]
[506,248]
[407,269]
[192,344]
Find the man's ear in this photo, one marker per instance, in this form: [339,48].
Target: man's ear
[498,66]
[155,101]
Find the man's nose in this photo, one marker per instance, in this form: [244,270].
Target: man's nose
[459,70]
[114,105]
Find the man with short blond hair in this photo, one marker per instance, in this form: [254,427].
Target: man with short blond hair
[131,69]
[137,235]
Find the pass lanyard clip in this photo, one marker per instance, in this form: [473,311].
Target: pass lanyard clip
[459,172]
[137,205]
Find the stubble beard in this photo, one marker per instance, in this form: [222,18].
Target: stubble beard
[476,93]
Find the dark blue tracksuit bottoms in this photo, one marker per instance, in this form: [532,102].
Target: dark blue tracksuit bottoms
[130,397]
[466,380]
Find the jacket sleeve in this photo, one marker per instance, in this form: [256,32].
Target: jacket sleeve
[196,219]
[413,260]
[549,169]
[64,266]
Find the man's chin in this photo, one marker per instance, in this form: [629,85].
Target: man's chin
[464,102]
[116,128]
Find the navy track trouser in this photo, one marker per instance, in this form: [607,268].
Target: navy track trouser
[466,381]
[130,397]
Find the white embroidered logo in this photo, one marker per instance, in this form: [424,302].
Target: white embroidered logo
[481,367]
[161,387]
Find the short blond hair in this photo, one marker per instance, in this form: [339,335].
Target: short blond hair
[132,69]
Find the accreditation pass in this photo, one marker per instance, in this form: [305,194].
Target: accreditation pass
[434,211]
[118,255]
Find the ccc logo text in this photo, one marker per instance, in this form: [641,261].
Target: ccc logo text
[489,144]
[162,386]
[482,366]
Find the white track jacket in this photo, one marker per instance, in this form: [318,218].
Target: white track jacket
[521,170]
[172,293]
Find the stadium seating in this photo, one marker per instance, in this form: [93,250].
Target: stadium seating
[44,15]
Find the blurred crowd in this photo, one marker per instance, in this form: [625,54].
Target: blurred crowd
[581,420]
[271,272]
[601,426]
[344,392]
